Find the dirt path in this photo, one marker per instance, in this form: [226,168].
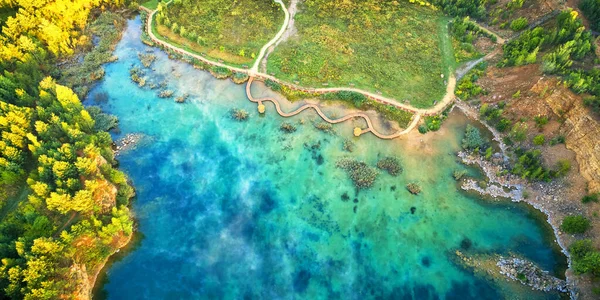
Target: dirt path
[369,128]
[289,32]
[286,21]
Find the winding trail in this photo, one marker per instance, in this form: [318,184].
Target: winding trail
[254,74]
[370,127]
[274,39]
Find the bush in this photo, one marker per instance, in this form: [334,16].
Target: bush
[557,140]
[581,248]
[590,263]
[590,198]
[517,94]
[423,129]
[540,121]
[473,139]
[562,167]
[519,24]
[575,224]
[586,259]
[539,140]
[434,123]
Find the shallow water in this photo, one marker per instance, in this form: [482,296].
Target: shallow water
[233,209]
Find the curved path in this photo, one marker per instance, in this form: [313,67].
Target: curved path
[439,107]
[369,128]
[273,40]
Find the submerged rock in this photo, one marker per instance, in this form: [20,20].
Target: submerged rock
[128,142]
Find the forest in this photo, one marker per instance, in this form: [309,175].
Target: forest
[63,203]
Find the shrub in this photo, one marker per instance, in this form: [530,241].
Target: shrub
[503,125]
[562,167]
[540,121]
[519,24]
[590,263]
[519,132]
[586,259]
[423,129]
[593,103]
[539,140]
[557,140]
[433,123]
[590,198]
[575,224]
[473,139]
[581,248]
[517,94]
[529,166]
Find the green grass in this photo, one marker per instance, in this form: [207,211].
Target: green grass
[233,31]
[399,49]
[164,34]
[151,4]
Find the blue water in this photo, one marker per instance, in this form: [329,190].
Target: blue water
[231,210]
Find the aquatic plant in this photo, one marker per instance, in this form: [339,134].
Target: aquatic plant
[324,126]
[287,127]
[348,146]
[391,165]
[165,94]
[182,98]
[459,174]
[137,76]
[239,114]
[413,188]
[361,174]
[147,59]
[239,77]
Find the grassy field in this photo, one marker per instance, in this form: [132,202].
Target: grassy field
[233,31]
[151,4]
[392,47]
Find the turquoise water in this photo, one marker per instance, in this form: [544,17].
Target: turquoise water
[234,210]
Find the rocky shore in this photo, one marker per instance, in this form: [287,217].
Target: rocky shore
[544,198]
[529,274]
